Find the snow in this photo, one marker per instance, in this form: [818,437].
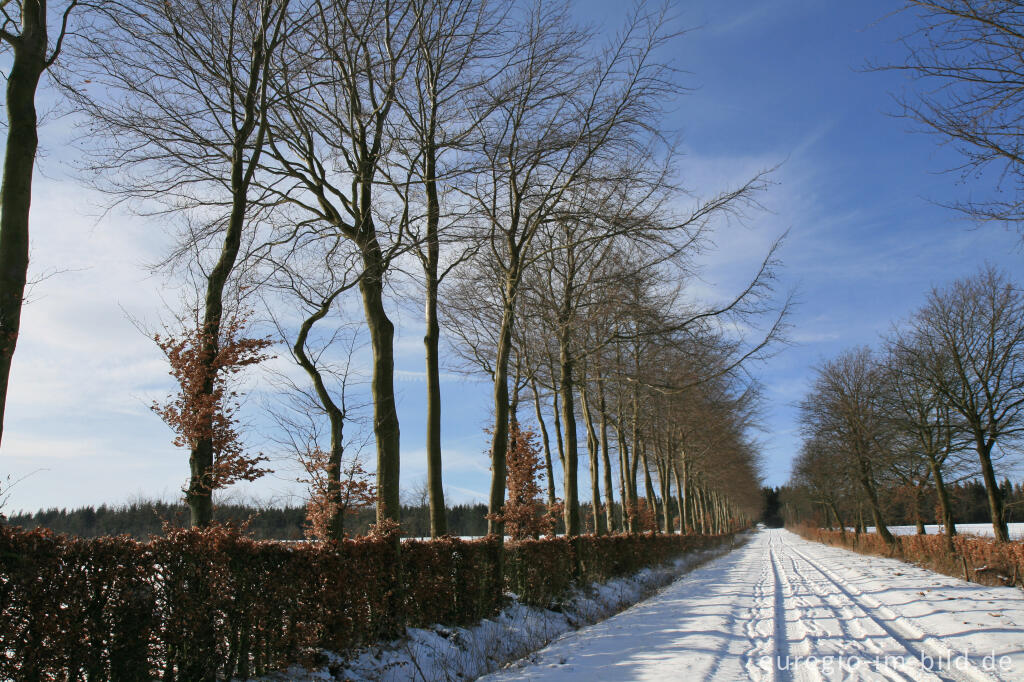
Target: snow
[456,653]
[783,608]
[983,529]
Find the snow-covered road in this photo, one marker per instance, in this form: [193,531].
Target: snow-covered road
[782,608]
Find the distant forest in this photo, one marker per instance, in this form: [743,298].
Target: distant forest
[143,519]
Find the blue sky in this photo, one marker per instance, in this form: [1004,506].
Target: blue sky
[778,82]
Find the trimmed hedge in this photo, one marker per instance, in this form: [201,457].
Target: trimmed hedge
[983,560]
[214,604]
[541,572]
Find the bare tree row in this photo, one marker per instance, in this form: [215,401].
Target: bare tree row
[941,400]
[503,163]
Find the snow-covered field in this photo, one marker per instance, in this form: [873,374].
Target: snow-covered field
[983,529]
[782,608]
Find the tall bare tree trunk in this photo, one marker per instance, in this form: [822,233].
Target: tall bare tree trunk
[198,495]
[447,40]
[634,464]
[680,496]
[499,436]
[625,493]
[600,526]
[382,383]
[688,504]
[29,63]
[556,411]
[995,498]
[699,508]
[548,468]
[664,483]
[652,498]
[431,339]
[609,495]
[868,486]
[944,508]
[571,500]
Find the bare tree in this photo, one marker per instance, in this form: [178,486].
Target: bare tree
[825,473]
[25,31]
[176,94]
[311,275]
[966,58]
[329,145]
[600,235]
[454,40]
[662,344]
[704,434]
[843,410]
[338,486]
[554,114]
[968,342]
[920,414]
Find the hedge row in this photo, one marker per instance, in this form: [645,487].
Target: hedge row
[541,572]
[214,604]
[979,559]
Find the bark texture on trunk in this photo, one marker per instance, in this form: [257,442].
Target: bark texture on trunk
[944,509]
[571,500]
[995,498]
[248,136]
[609,495]
[600,526]
[548,468]
[431,340]
[499,435]
[28,65]
[382,384]
[335,416]
[868,486]
[435,482]
[198,496]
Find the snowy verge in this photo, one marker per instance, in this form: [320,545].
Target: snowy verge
[465,653]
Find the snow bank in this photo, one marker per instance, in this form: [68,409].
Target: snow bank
[457,653]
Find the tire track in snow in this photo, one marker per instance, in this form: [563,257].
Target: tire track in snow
[823,634]
[917,643]
[765,627]
[781,636]
[817,607]
[874,646]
